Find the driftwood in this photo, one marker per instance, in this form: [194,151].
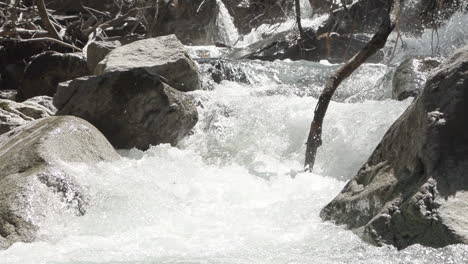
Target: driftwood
[56,41]
[377,42]
[44,14]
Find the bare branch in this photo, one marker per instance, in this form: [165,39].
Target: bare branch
[377,42]
[44,14]
[67,45]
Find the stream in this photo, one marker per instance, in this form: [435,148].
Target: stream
[234,191]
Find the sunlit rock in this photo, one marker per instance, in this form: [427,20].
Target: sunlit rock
[33,179]
[164,56]
[414,187]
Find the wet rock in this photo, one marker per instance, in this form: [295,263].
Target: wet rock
[192,21]
[33,180]
[132,108]
[414,187]
[249,15]
[164,56]
[322,6]
[8,94]
[288,45]
[13,114]
[199,22]
[47,70]
[224,70]
[411,75]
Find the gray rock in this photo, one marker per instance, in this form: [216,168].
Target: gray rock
[414,187]
[132,108]
[13,114]
[33,180]
[97,50]
[288,45]
[411,75]
[165,56]
[47,70]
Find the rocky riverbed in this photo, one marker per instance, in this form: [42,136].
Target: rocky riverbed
[149,149]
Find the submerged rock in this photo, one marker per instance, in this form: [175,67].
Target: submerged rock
[414,187]
[410,77]
[33,179]
[132,108]
[164,56]
[47,70]
[224,70]
[13,114]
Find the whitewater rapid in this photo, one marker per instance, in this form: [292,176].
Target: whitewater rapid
[234,190]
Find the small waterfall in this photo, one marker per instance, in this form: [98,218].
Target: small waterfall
[226,30]
[306,9]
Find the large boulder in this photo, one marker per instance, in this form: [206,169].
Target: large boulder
[132,108]
[414,187]
[33,179]
[411,75]
[164,56]
[13,114]
[47,70]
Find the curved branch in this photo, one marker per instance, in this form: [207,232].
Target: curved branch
[377,42]
[46,20]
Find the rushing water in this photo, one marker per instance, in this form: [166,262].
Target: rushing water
[234,191]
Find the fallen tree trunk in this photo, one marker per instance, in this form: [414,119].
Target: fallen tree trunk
[377,42]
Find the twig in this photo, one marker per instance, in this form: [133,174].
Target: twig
[113,22]
[50,40]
